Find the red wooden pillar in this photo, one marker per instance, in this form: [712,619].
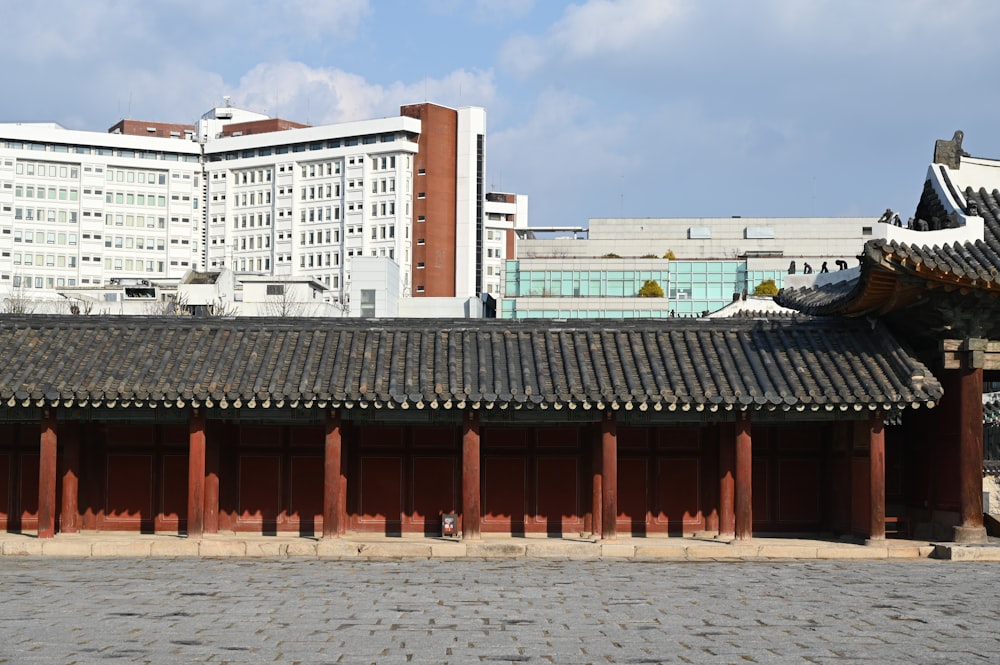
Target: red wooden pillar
[609,476]
[743,490]
[876,478]
[47,476]
[597,486]
[727,484]
[970,450]
[69,518]
[471,512]
[212,483]
[196,475]
[334,480]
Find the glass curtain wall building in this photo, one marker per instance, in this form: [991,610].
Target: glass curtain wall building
[609,287]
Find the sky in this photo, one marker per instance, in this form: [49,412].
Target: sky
[595,108]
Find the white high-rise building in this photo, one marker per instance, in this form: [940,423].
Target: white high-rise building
[257,195]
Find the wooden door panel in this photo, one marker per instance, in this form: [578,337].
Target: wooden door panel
[557,492]
[129,496]
[679,496]
[633,495]
[381,491]
[174,484]
[434,491]
[799,483]
[5,490]
[259,493]
[504,499]
[306,507]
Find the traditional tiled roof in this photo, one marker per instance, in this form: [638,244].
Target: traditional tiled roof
[968,266]
[785,364]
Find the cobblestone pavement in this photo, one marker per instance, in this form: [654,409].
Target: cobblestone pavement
[56,610]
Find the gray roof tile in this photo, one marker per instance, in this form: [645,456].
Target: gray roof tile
[691,363]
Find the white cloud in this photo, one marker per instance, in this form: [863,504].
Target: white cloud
[297,91]
[565,149]
[307,18]
[594,29]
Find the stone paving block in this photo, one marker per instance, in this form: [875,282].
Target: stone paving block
[222,548]
[266,548]
[22,547]
[786,552]
[852,552]
[967,552]
[617,550]
[448,549]
[562,550]
[56,547]
[335,548]
[301,548]
[174,547]
[744,550]
[710,552]
[390,550]
[121,548]
[665,552]
[480,548]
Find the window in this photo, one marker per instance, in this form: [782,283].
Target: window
[275,289]
[368,302]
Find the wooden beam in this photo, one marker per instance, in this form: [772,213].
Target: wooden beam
[876,478]
[974,353]
[727,483]
[609,476]
[597,486]
[471,512]
[333,478]
[970,456]
[69,518]
[211,484]
[47,476]
[744,478]
[196,474]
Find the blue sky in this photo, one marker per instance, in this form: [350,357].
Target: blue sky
[661,108]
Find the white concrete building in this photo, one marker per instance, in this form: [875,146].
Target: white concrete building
[506,215]
[257,195]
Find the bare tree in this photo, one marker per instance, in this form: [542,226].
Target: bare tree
[79,306]
[172,304]
[284,305]
[221,309]
[18,301]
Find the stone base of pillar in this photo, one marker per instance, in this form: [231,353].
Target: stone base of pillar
[875,542]
[970,534]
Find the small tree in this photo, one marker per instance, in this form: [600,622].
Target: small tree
[669,255]
[611,255]
[651,289]
[649,256]
[766,288]
[285,305]
[18,301]
[80,306]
